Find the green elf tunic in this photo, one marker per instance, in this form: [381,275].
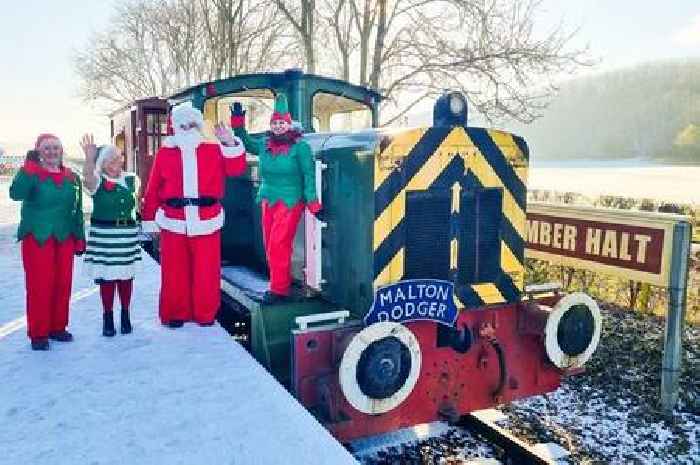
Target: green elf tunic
[51,203]
[286,177]
[113,249]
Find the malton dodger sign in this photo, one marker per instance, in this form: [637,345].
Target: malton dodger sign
[414,299]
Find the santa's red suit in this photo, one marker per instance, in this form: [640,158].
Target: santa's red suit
[185,169]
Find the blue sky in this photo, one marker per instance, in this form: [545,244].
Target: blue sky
[624,32]
[38,91]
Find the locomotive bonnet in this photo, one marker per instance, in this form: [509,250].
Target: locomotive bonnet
[446,202]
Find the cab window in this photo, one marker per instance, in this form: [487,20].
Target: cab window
[257,103]
[339,114]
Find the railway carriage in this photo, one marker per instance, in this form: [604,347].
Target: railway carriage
[410,303]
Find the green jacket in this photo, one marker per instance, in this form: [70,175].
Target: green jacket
[49,208]
[287,177]
[113,201]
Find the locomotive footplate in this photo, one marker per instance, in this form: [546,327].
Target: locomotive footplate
[264,329]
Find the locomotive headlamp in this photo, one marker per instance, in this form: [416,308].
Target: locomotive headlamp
[457,104]
[450,110]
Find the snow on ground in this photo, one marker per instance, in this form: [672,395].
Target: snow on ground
[610,413]
[157,396]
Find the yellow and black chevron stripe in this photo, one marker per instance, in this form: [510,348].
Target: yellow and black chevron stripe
[454,158]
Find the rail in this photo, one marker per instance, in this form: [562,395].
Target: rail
[514,451]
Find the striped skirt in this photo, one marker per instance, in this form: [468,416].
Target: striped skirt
[112,252]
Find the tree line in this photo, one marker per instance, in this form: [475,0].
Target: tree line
[408,50]
[648,111]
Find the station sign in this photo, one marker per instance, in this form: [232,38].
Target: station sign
[629,244]
[414,299]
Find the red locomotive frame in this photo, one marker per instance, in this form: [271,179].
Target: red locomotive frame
[450,383]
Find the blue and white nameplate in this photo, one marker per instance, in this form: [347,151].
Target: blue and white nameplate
[414,299]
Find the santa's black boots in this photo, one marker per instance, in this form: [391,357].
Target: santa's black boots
[126,323]
[61,336]
[40,344]
[108,324]
[175,324]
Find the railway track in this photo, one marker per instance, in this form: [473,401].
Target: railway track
[474,439]
[510,450]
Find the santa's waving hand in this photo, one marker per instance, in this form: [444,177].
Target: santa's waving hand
[182,201]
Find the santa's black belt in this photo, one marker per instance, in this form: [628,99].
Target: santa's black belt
[182,202]
[119,222]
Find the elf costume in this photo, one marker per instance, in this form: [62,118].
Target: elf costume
[51,231]
[288,183]
[113,249]
[182,199]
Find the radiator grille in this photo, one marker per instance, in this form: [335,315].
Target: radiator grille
[427,234]
[480,241]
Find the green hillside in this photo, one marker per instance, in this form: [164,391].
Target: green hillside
[650,111]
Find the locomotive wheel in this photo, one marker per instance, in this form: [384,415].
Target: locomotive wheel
[380,367]
[573,329]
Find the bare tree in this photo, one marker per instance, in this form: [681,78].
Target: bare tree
[340,18]
[302,16]
[408,50]
[155,47]
[411,50]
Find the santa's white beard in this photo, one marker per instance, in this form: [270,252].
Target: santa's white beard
[187,140]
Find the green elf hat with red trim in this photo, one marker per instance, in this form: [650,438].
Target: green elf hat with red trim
[281,109]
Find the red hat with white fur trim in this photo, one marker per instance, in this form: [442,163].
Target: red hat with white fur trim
[43,137]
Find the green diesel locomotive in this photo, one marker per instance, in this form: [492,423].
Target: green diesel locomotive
[409,302]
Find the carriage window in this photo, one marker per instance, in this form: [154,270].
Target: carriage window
[257,103]
[335,113]
[156,129]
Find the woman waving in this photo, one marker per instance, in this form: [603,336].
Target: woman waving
[113,248]
[51,232]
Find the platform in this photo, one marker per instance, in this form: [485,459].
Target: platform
[157,396]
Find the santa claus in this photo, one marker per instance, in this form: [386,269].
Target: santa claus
[182,203]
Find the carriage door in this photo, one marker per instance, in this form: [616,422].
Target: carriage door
[153,129]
